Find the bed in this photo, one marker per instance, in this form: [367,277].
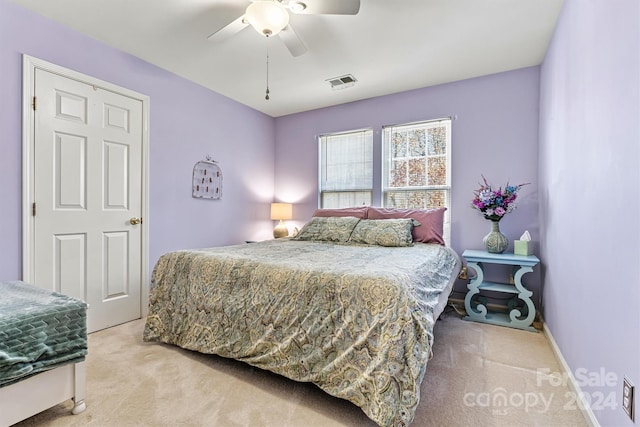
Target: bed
[43,344]
[352,312]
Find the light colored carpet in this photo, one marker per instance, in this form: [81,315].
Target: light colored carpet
[481,375]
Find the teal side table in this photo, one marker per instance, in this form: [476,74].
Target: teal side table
[520,315]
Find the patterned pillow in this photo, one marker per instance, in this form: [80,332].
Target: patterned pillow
[431,220]
[384,232]
[329,229]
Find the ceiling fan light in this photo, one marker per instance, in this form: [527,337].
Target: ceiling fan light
[267,17]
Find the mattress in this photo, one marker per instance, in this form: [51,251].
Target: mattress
[39,330]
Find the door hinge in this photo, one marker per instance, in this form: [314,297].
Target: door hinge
[34,103]
[33,209]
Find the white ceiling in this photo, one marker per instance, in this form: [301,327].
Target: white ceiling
[389,46]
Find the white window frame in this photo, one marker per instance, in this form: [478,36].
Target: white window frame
[322,186]
[386,167]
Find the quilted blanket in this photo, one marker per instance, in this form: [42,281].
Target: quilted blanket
[39,330]
[355,320]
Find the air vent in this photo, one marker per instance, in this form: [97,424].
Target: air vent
[342,82]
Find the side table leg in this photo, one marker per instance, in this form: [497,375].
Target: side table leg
[525,296]
[480,311]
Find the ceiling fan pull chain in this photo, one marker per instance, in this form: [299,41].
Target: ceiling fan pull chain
[267,92]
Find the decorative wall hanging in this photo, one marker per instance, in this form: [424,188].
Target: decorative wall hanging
[207,179]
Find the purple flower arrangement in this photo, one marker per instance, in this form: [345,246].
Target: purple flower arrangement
[495,204]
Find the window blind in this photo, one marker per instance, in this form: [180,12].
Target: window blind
[346,169]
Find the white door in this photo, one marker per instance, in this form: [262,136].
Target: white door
[88,196]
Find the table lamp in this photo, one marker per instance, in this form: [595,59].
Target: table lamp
[281,212]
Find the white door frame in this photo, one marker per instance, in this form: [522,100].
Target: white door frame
[29,66]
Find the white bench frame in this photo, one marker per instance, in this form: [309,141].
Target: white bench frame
[34,394]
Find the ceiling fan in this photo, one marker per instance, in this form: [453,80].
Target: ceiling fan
[271,18]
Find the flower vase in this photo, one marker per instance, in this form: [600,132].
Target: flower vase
[495,242]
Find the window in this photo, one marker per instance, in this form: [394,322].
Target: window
[417,166]
[346,169]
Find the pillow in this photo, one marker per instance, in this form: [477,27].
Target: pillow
[431,220]
[359,212]
[329,229]
[384,232]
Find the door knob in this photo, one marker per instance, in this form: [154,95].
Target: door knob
[135,221]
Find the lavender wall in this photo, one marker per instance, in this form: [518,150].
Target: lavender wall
[495,134]
[187,122]
[589,188]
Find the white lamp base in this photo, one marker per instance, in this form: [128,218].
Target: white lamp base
[281,230]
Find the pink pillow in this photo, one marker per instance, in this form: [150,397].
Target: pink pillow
[359,212]
[431,220]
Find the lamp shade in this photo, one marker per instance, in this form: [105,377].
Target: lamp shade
[281,211]
[267,17]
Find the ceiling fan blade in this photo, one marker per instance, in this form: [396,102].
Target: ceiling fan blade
[229,30]
[292,41]
[326,7]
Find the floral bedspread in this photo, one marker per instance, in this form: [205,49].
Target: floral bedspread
[354,320]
